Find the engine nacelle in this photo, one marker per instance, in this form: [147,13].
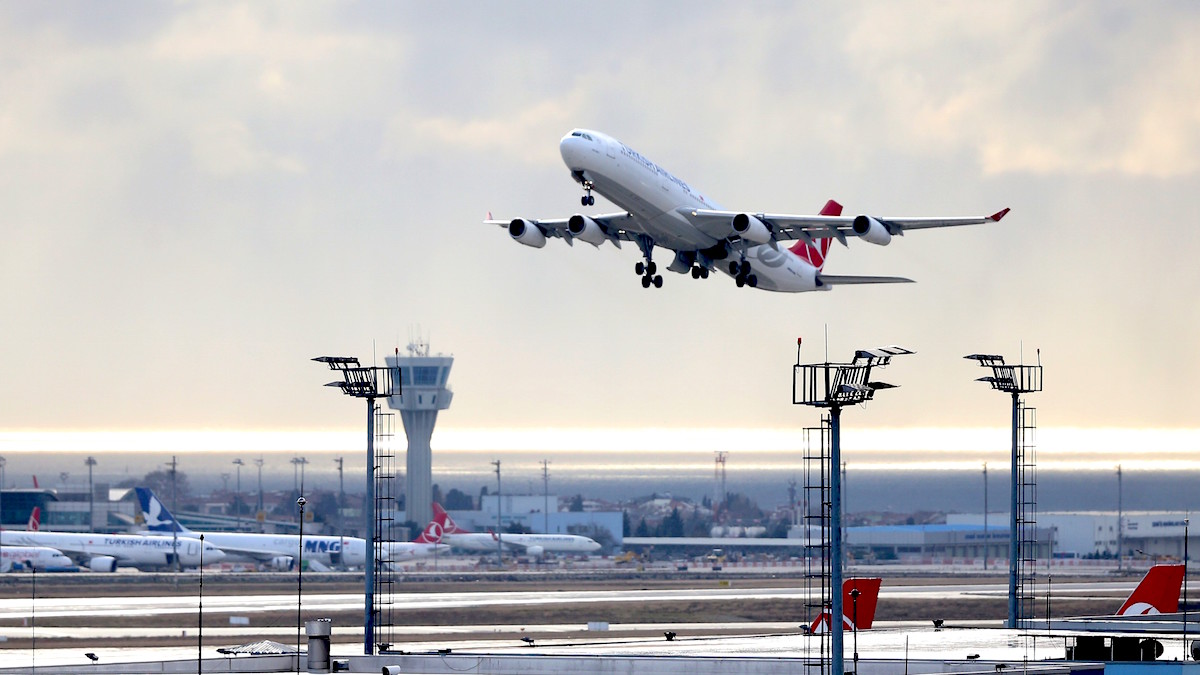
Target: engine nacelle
[585,229]
[103,563]
[751,228]
[527,233]
[871,230]
[282,563]
[535,551]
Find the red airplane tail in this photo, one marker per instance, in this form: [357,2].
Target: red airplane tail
[863,609]
[815,255]
[446,522]
[1158,593]
[35,519]
[432,534]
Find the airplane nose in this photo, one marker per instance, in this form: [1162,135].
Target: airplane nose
[214,555]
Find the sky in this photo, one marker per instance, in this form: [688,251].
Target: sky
[198,198]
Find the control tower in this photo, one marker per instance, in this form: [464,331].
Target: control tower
[423,382]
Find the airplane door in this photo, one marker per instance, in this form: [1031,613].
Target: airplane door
[610,149]
[192,549]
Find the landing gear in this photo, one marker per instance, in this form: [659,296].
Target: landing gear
[647,269]
[587,199]
[699,272]
[742,274]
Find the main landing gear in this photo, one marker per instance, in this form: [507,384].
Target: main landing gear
[588,199]
[699,272]
[647,269]
[742,276]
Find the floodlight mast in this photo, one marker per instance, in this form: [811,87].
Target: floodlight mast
[835,386]
[369,382]
[1014,380]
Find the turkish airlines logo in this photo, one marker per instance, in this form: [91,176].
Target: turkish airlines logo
[434,532]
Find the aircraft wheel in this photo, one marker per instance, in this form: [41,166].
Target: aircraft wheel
[658,282]
[752,280]
[703,272]
[695,272]
[744,268]
[583,201]
[646,281]
[651,268]
[640,268]
[733,269]
[591,200]
[741,281]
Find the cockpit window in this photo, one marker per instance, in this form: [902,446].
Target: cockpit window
[577,133]
[582,135]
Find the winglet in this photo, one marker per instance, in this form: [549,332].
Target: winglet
[995,217]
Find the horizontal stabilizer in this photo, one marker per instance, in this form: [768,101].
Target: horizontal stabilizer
[835,280]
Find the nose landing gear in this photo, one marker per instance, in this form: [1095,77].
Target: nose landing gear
[587,199]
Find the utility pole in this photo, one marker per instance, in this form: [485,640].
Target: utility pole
[499,539]
[175,510]
[986,537]
[546,492]
[237,501]
[1120,520]
[91,462]
[341,494]
[258,514]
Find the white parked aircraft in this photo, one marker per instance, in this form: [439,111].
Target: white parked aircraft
[40,557]
[662,210]
[533,545]
[280,551]
[104,552]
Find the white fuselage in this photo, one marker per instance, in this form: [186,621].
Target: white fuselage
[141,551]
[551,543]
[653,197]
[40,557]
[324,549]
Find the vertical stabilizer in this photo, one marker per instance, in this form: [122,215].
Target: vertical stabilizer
[158,518]
[1158,593]
[862,609]
[815,255]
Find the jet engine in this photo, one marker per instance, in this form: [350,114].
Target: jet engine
[872,230]
[535,551]
[103,563]
[282,563]
[585,229]
[527,233]
[751,228]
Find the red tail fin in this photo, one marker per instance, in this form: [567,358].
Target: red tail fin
[863,609]
[432,534]
[1158,593]
[446,522]
[814,255]
[35,519]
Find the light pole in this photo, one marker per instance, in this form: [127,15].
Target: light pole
[175,526]
[258,513]
[300,502]
[237,500]
[1120,519]
[340,503]
[986,538]
[499,539]
[834,386]
[200,631]
[1013,380]
[546,492]
[370,383]
[91,462]
[854,601]
[2,463]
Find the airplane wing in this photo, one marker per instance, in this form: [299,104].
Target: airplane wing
[613,227]
[838,280]
[786,227]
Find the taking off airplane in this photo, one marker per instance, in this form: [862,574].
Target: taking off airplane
[662,210]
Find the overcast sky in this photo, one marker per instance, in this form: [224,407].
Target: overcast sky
[197,198]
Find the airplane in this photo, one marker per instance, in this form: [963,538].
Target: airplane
[280,551]
[40,557]
[1157,593]
[534,545]
[863,610]
[105,552]
[662,210]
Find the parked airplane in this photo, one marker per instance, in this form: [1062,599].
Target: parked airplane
[863,609]
[534,545]
[40,557]
[104,552]
[662,210]
[1158,592]
[279,551]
